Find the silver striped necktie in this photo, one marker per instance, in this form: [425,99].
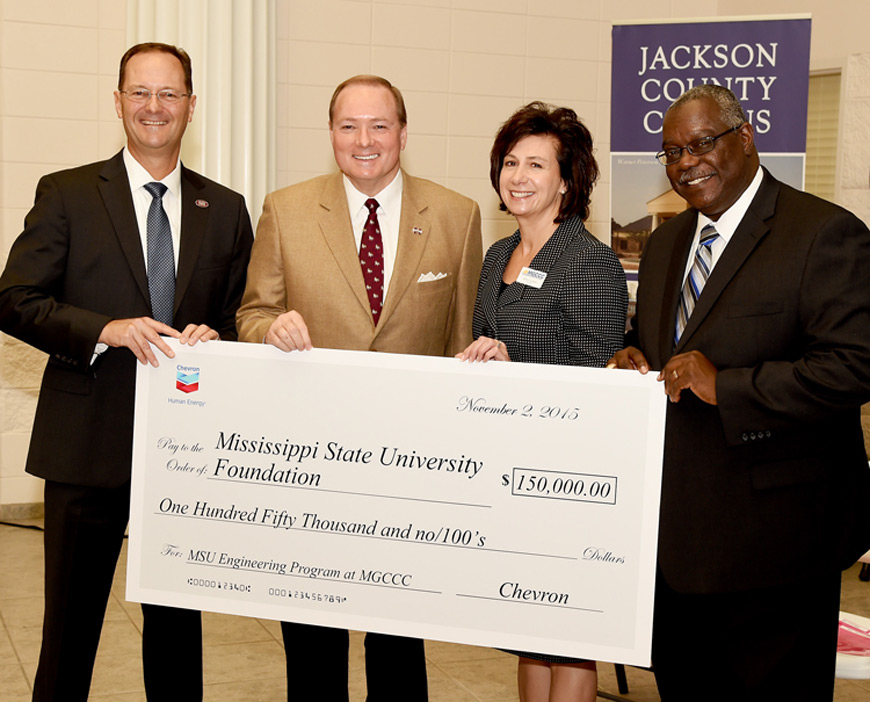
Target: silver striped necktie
[697,278]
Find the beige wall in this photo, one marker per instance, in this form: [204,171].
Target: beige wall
[840,27]
[853,157]
[58,68]
[463,65]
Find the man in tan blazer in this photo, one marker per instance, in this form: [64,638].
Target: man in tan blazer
[368,259]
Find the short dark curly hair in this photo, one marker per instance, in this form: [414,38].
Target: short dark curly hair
[577,165]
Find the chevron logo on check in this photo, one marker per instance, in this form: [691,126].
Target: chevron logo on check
[187,379]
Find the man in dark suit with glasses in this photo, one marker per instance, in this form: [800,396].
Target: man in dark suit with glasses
[115,256]
[754,309]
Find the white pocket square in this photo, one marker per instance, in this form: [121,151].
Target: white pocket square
[430,276]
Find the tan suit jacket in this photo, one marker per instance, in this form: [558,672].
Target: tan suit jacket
[305,259]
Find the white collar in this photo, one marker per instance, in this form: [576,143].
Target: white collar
[138,176]
[730,219]
[388,198]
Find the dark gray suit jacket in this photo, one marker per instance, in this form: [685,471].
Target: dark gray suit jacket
[77,265]
[577,317]
[770,485]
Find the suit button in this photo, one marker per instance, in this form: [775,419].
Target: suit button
[767,433]
[745,437]
[752,435]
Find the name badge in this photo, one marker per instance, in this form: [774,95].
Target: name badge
[531,277]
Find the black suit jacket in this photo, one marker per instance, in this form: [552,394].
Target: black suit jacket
[767,487]
[77,265]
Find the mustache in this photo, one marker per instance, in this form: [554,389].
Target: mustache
[693,175]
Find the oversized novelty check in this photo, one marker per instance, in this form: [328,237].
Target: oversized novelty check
[497,504]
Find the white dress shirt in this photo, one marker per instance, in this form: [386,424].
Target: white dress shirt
[139,177]
[389,213]
[726,225]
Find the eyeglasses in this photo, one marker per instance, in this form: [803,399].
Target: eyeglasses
[165,97]
[700,146]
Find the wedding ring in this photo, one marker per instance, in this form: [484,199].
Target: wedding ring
[676,375]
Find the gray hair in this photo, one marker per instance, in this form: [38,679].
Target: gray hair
[730,108]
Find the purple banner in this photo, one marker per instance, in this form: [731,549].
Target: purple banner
[765,63]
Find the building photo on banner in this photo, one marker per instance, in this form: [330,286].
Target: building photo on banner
[764,62]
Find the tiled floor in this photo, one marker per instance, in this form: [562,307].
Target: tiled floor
[244,660]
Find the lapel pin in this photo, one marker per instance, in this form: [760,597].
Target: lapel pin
[201,203]
[417,230]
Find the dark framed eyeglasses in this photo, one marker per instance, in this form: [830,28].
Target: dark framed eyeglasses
[700,146]
[166,97]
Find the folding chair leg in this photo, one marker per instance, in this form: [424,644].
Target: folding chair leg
[621,680]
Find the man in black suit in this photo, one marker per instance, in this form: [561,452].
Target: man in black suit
[766,366]
[83,283]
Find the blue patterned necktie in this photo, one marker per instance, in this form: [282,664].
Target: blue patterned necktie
[698,274]
[161,260]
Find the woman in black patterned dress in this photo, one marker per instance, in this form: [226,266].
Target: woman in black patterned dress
[551,293]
